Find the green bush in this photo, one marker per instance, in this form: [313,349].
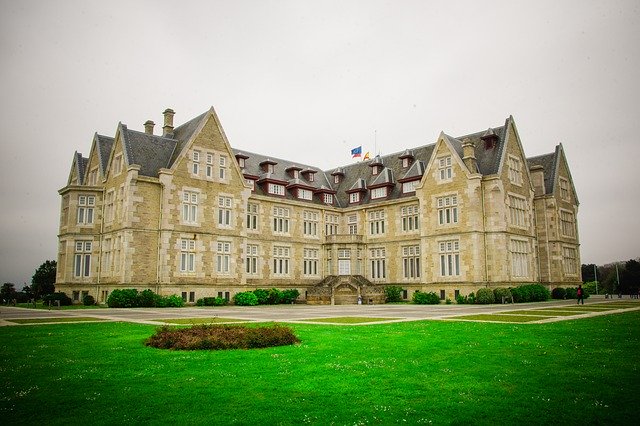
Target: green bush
[125,298]
[275,296]
[559,293]
[484,296]
[88,300]
[500,292]
[590,287]
[211,301]
[221,337]
[530,293]
[392,293]
[173,301]
[262,295]
[572,293]
[60,296]
[290,296]
[220,301]
[245,298]
[462,300]
[147,299]
[421,298]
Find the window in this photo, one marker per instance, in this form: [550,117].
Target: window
[93,177]
[275,189]
[411,262]
[209,167]
[409,216]
[106,256]
[378,263]
[310,262]
[86,204]
[567,224]
[515,170]
[109,205]
[331,224]
[445,171]
[376,222]
[280,220]
[564,189]
[447,210]
[224,211]
[195,165]
[449,258]
[252,216]
[517,211]
[281,256]
[252,259]
[311,176]
[352,222]
[189,297]
[117,164]
[519,258]
[190,207]
[310,223]
[251,183]
[378,193]
[336,179]
[305,194]
[410,186]
[223,168]
[120,202]
[241,162]
[328,198]
[187,255]
[569,260]
[82,259]
[406,162]
[117,254]
[223,257]
[354,197]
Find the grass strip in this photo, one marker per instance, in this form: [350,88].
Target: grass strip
[500,318]
[542,312]
[50,320]
[348,320]
[213,320]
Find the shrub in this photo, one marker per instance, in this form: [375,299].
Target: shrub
[500,292]
[88,300]
[60,296]
[275,296]
[462,300]
[572,293]
[125,298]
[245,298]
[589,287]
[290,296]
[421,298]
[559,293]
[220,301]
[147,299]
[393,293]
[173,301]
[221,337]
[448,301]
[484,296]
[262,295]
[530,293]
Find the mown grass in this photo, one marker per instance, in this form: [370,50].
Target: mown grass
[501,317]
[49,320]
[442,372]
[194,321]
[348,320]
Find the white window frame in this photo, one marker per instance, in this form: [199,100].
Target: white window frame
[82,259]
[281,260]
[449,251]
[411,262]
[86,205]
[515,170]
[328,198]
[225,205]
[209,166]
[190,207]
[223,257]
[377,193]
[377,222]
[567,223]
[281,217]
[517,211]
[252,259]
[378,262]
[445,168]
[354,197]
[408,187]
[331,224]
[310,262]
[305,194]
[447,210]
[187,255]
[570,260]
[252,216]
[275,189]
[310,223]
[519,250]
[195,163]
[410,218]
[352,223]
[222,173]
[565,194]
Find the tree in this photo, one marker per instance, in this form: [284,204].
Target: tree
[7,292]
[630,277]
[44,279]
[588,273]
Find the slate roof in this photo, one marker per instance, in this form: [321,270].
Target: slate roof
[81,167]
[104,144]
[549,163]
[150,152]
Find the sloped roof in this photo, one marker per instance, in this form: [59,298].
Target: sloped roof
[183,133]
[150,152]
[104,146]
[549,164]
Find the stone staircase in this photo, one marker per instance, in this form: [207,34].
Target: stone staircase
[345,290]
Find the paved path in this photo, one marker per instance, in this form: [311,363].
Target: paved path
[294,313]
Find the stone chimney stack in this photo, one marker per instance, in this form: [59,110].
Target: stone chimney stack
[537,176]
[167,129]
[469,155]
[148,127]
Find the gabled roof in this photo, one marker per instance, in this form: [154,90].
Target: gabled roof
[488,159]
[383,178]
[549,164]
[150,152]
[183,133]
[104,144]
[416,171]
[81,167]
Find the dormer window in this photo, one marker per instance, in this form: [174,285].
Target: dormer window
[309,175]
[241,158]
[408,187]
[274,188]
[336,179]
[241,162]
[268,166]
[406,162]
[312,177]
[337,174]
[376,170]
[305,194]
[378,193]
[251,183]
[328,198]
[354,197]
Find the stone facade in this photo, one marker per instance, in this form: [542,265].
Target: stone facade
[184,213]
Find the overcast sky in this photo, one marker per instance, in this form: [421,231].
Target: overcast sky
[309,80]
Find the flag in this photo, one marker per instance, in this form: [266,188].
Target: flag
[356,152]
[367,156]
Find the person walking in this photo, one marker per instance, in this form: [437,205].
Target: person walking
[580,294]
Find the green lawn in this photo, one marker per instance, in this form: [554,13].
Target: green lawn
[48,320]
[349,320]
[441,372]
[193,321]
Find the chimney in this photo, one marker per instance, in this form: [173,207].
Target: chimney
[469,155]
[148,127]
[167,129]
[537,176]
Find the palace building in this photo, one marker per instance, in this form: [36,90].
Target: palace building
[182,212]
